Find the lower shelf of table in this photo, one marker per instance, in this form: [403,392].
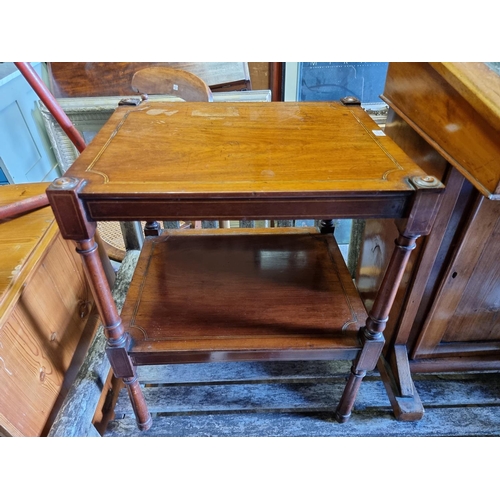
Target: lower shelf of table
[241,295]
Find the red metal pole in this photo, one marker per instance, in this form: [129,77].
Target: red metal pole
[21,207]
[52,105]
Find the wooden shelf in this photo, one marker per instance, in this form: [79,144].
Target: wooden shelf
[219,295]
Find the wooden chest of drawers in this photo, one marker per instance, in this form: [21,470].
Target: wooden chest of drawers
[46,317]
[446,117]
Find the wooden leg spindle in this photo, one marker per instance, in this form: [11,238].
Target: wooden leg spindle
[373,338]
[152,228]
[327,226]
[118,339]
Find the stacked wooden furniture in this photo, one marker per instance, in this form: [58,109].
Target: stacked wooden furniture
[231,295]
[446,116]
[46,316]
[94,79]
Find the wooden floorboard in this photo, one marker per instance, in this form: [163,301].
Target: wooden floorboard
[298,399]
[242,371]
[463,421]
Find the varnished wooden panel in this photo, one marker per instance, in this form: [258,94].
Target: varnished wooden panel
[451,119]
[477,314]
[20,241]
[270,293]
[222,150]
[478,84]
[38,339]
[93,79]
[318,207]
[467,305]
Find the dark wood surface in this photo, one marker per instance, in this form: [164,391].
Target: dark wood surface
[235,294]
[276,80]
[93,79]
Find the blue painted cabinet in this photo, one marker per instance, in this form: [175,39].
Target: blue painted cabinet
[25,150]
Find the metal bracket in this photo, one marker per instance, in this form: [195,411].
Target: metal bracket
[131,101]
[350,101]
[426,182]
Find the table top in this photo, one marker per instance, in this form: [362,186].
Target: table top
[204,150]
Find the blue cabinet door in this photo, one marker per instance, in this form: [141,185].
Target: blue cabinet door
[25,151]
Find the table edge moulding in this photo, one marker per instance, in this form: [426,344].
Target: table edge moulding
[171,161]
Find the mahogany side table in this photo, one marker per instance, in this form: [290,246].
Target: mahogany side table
[223,295]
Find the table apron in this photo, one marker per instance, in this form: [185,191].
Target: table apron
[379,206]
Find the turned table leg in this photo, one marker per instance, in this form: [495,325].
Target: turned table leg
[76,225]
[118,339]
[373,338]
[419,222]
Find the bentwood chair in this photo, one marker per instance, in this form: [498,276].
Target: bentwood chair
[170,81]
[157,80]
